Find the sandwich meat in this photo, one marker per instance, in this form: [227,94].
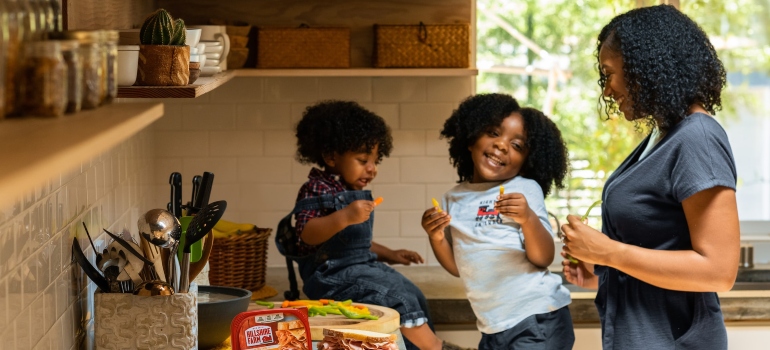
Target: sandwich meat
[291,335]
[353,339]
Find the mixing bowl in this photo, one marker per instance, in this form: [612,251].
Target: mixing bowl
[217,307]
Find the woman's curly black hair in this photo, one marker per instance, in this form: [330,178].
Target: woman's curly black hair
[332,126]
[547,161]
[668,62]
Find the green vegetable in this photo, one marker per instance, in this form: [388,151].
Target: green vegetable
[583,219]
[265,303]
[353,315]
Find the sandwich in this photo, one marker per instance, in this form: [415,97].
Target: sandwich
[350,339]
[291,335]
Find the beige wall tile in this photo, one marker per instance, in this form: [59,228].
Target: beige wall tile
[400,196]
[224,170]
[264,170]
[269,197]
[396,89]
[408,143]
[243,89]
[236,143]
[424,115]
[435,145]
[181,143]
[208,117]
[355,89]
[172,118]
[426,170]
[386,224]
[299,172]
[449,89]
[411,223]
[280,143]
[388,172]
[290,90]
[254,116]
[388,111]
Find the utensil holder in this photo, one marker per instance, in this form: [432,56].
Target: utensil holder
[127,321]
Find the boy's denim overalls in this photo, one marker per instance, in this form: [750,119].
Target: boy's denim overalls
[344,267]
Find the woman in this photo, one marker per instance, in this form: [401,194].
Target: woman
[670,236]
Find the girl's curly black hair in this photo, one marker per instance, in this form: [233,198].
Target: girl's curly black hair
[668,61]
[333,126]
[547,161]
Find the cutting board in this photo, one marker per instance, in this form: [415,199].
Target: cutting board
[389,320]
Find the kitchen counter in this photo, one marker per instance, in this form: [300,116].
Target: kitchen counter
[749,301]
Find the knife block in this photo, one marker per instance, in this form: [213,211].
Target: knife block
[127,321]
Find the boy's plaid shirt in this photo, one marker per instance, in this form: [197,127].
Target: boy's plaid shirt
[319,183]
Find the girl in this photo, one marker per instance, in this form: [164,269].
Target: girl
[670,231]
[500,244]
[335,218]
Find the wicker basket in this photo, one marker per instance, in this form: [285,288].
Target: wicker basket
[422,46]
[303,47]
[240,260]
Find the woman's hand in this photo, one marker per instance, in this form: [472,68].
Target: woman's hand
[403,257]
[514,206]
[434,222]
[580,274]
[584,243]
[358,211]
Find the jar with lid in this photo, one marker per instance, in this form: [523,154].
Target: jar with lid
[110,57]
[44,87]
[3,54]
[90,62]
[13,55]
[70,51]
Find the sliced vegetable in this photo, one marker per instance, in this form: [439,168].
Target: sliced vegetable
[265,303]
[377,201]
[584,218]
[436,205]
[502,190]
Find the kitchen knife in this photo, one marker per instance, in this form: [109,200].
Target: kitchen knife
[204,192]
[176,194]
[196,185]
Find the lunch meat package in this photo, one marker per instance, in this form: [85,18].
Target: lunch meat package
[281,329]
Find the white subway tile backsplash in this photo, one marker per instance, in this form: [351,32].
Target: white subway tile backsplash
[280,143]
[290,89]
[449,89]
[242,89]
[236,143]
[388,172]
[400,196]
[264,170]
[411,223]
[208,117]
[398,89]
[180,144]
[425,115]
[253,116]
[426,170]
[435,145]
[269,197]
[408,143]
[225,170]
[354,89]
[172,118]
[386,223]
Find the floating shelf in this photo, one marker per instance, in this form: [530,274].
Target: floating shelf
[358,72]
[37,149]
[202,85]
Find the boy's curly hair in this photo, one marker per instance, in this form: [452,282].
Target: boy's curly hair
[547,161]
[333,126]
[668,62]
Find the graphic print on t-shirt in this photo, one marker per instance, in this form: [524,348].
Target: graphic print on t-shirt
[487,214]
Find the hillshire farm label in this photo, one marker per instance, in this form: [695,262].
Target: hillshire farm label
[259,335]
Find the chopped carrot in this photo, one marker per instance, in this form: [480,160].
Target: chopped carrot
[377,201]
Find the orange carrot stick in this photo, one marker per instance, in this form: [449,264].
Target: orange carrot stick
[377,201]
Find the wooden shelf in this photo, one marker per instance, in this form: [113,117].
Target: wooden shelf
[200,87]
[36,149]
[358,72]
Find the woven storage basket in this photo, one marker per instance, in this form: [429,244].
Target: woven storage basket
[240,260]
[303,47]
[422,46]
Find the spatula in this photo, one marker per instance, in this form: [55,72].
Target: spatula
[200,225]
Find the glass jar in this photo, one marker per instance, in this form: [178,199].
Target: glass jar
[44,91]
[70,50]
[13,55]
[91,63]
[110,47]
[3,54]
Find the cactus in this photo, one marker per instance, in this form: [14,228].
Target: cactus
[160,29]
[180,34]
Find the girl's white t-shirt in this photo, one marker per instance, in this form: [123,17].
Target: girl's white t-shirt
[502,285]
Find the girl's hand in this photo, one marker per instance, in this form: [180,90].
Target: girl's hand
[403,257]
[514,206]
[358,211]
[584,243]
[434,223]
[580,274]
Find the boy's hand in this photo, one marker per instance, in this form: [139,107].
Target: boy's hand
[434,223]
[358,211]
[514,206]
[403,257]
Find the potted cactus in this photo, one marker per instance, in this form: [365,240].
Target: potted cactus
[163,56]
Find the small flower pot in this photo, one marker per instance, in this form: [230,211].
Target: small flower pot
[163,65]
